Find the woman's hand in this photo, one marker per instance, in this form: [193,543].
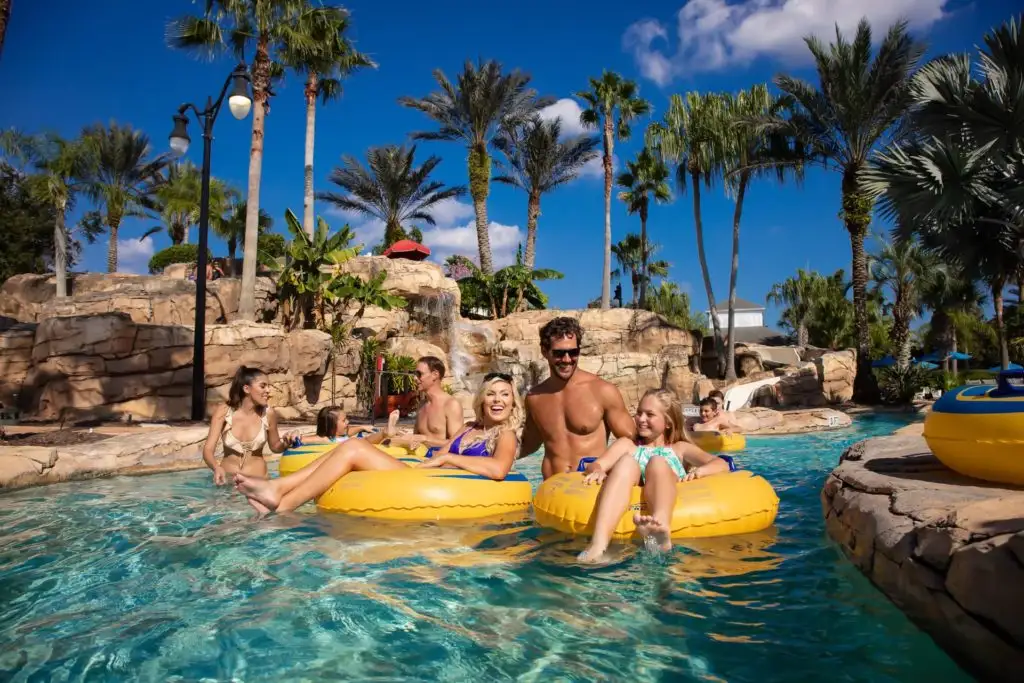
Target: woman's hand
[219,476]
[289,439]
[594,473]
[439,460]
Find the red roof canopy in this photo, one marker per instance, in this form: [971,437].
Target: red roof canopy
[407,249]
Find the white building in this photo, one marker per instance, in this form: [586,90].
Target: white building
[749,321]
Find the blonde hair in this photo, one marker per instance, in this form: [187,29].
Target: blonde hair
[675,428]
[515,419]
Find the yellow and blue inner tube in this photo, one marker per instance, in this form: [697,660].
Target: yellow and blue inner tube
[716,442]
[978,431]
[294,459]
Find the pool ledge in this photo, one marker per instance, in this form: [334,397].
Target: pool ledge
[145,451]
[946,549]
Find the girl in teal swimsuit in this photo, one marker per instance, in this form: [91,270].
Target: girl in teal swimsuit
[662,455]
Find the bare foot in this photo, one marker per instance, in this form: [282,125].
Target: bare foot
[264,491]
[261,509]
[651,527]
[593,555]
[392,423]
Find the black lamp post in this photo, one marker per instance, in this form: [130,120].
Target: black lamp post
[239,102]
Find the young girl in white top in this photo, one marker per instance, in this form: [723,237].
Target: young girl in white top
[332,426]
[247,425]
[661,457]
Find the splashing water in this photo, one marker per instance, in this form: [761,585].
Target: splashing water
[165,578]
[444,321]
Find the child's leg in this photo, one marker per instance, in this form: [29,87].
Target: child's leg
[611,505]
[288,493]
[660,493]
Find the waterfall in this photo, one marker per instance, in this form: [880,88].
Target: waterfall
[442,320]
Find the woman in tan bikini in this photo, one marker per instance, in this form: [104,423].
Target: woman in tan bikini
[247,425]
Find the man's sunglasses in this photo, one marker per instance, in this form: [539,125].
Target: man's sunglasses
[503,376]
[572,353]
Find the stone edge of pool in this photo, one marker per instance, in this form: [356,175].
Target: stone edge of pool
[946,549]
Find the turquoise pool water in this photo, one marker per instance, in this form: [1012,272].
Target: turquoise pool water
[164,578]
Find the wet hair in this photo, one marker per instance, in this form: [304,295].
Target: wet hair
[434,364]
[327,421]
[675,424]
[516,416]
[708,402]
[244,376]
[562,327]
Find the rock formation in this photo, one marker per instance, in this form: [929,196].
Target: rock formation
[946,549]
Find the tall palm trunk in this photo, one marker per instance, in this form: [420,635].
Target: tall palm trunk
[801,334]
[5,20]
[312,86]
[532,214]
[730,344]
[644,274]
[900,334]
[479,187]
[113,224]
[60,250]
[261,82]
[606,274]
[997,300]
[954,347]
[699,229]
[232,264]
[857,217]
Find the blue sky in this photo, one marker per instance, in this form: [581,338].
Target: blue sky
[67,63]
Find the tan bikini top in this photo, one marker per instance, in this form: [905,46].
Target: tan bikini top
[243,449]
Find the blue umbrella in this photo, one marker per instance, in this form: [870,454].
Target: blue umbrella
[956,355]
[1011,366]
[884,362]
[931,357]
[925,365]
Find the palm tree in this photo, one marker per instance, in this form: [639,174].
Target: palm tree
[636,261]
[230,227]
[668,300]
[749,155]
[539,161]
[693,136]
[330,61]
[612,102]
[473,111]
[178,200]
[266,26]
[5,20]
[800,295]
[858,104]
[906,270]
[960,176]
[956,306]
[390,188]
[644,179]
[514,280]
[120,176]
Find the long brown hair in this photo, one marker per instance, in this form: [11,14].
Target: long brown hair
[244,376]
[675,427]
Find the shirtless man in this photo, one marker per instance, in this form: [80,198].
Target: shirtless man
[439,417]
[713,418]
[572,412]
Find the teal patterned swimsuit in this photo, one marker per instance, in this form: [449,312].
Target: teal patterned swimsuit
[643,455]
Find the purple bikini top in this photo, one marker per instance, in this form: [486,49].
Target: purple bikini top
[479,448]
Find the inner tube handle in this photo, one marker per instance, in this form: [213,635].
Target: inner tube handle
[1003,385]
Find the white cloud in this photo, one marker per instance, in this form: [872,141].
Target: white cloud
[133,255]
[715,34]
[451,211]
[445,241]
[569,111]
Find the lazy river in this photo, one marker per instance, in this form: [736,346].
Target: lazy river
[164,578]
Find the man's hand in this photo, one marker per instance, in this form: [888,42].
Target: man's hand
[594,473]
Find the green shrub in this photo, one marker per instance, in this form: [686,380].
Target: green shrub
[272,244]
[898,386]
[401,383]
[949,381]
[178,253]
[367,371]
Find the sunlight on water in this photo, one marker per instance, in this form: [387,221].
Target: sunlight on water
[165,578]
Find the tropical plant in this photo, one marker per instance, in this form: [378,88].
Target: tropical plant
[692,136]
[26,222]
[612,103]
[538,160]
[325,62]
[668,300]
[473,111]
[956,321]
[231,228]
[366,381]
[390,188]
[458,266]
[899,384]
[400,377]
[176,253]
[120,176]
[635,262]
[859,102]
[306,276]
[643,180]
[267,27]
[959,181]
[345,289]
[514,284]
[800,296]
[178,200]
[750,154]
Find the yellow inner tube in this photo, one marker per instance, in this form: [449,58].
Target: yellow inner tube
[718,443]
[294,459]
[988,446]
[719,505]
